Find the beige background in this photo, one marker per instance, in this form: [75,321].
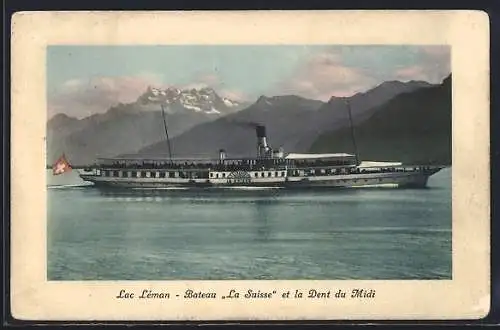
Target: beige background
[466,296]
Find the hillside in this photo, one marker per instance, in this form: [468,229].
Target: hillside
[413,127]
[333,114]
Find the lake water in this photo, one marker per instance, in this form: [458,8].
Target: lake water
[367,233]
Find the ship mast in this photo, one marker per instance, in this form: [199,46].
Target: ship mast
[166,132]
[352,131]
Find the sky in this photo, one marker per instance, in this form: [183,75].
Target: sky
[83,80]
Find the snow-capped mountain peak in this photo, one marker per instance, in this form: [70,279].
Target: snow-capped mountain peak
[203,100]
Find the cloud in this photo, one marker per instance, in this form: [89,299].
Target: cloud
[324,75]
[203,80]
[438,51]
[83,97]
[332,73]
[233,94]
[433,64]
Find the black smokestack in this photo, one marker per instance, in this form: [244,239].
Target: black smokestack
[222,154]
[262,147]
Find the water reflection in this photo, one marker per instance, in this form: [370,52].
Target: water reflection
[262,221]
[268,195]
[262,202]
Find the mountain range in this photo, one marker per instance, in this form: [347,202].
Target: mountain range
[292,122]
[412,127]
[201,122]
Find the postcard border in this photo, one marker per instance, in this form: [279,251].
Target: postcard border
[32,297]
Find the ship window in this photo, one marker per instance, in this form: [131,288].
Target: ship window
[282,173]
[276,174]
[143,174]
[223,175]
[256,174]
[268,174]
[171,174]
[217,175]
[262,174]
[211,175]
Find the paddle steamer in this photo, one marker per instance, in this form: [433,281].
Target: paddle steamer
[269,168]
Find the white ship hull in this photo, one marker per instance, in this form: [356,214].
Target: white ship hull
[414,179]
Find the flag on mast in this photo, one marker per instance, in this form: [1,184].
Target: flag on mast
[61,166]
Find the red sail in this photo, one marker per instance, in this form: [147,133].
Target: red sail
[61,166]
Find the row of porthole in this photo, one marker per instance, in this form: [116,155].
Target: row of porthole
[256,174]
[270,174]
[133,174]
